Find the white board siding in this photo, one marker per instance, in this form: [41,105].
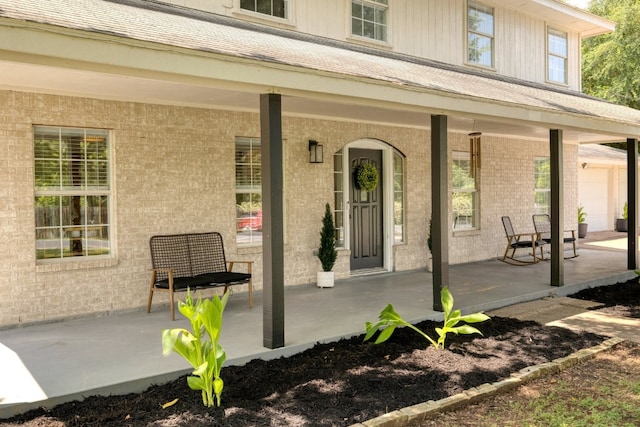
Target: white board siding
[433,29]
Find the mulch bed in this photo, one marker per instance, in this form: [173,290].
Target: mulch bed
[345,382]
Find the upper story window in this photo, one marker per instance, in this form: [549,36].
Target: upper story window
[369,19]
[72,192]
[480,34]
[248,191]
[557,54]
[277,8]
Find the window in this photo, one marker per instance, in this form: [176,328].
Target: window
[248,191]
[557,56]
[480,30]
[465,192]
[338,194]
[542,192]
[72,192]
[277,8]
[369,19]
[398,198]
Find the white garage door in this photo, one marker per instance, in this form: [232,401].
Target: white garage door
[592,194]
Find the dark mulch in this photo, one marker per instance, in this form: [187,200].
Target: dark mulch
[341,383]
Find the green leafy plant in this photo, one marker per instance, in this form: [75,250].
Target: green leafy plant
[366,177]
[327,253]
[200,347]
[390,320]
[582,215]
[625,211]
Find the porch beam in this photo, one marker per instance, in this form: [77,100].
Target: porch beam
[272,220]
[557,207]
[439,207]
[632,200]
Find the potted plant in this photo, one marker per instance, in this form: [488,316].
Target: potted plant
[327,253]
[582,226]
[622,224]
[430,246]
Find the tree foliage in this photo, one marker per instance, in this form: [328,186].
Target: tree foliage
[610,61]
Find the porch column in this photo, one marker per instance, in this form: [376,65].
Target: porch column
[272,220]
[632,200]
[557,208]
[439,207]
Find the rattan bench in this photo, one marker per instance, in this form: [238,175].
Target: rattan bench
[193,261]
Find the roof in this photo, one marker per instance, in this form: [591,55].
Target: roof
[603,154]
[197,31]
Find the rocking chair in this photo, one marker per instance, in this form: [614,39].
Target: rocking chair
[515,241]
[542,225]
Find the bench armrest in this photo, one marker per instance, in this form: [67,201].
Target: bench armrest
[248,263]
[161,270]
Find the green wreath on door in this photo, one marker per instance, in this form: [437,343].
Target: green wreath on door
[366,176]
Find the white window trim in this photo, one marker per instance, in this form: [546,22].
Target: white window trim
[263,17]
[367,40]
[491,67]
[465,155]
[93,261]
[548,53]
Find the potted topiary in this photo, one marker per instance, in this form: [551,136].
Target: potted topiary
[582,226]
[430,246]
[622,224]
[327,253]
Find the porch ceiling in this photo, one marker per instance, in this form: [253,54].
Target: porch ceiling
[62,81]
[176,56]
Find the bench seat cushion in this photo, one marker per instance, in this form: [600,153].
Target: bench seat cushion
[225,277]
[182,283]
[203,280]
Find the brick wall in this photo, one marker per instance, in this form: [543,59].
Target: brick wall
[173,172]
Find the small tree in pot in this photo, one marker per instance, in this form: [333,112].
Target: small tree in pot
[582,225]
[327,253]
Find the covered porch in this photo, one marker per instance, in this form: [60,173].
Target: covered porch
[50,363]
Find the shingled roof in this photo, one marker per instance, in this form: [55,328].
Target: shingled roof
[205,32]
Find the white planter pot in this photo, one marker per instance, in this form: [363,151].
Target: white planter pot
[325,279]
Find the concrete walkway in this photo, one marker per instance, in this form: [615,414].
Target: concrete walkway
[47,364]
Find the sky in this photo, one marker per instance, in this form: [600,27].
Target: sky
[580,3]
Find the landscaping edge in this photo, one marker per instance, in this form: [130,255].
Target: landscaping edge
[423,411]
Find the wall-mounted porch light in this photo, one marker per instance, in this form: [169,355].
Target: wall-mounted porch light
[315,152]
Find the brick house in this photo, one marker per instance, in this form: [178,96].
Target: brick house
[123,119]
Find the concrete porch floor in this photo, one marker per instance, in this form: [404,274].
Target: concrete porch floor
[51,363]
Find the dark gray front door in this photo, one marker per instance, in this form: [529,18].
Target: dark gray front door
[366,214]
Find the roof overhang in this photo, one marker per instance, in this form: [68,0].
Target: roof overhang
[566,16]
[62,59]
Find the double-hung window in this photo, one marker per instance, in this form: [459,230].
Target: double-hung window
[248,191]
[72,192]
[277,8]
[542,187]
[465,192]
[480,34]
[369,19]
[557,55]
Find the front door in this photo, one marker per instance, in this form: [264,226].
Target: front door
[366,213]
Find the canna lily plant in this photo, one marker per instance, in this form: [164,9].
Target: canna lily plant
[200,346]
[390,320]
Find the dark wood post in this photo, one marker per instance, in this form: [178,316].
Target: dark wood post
[272,220]
[439,207]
